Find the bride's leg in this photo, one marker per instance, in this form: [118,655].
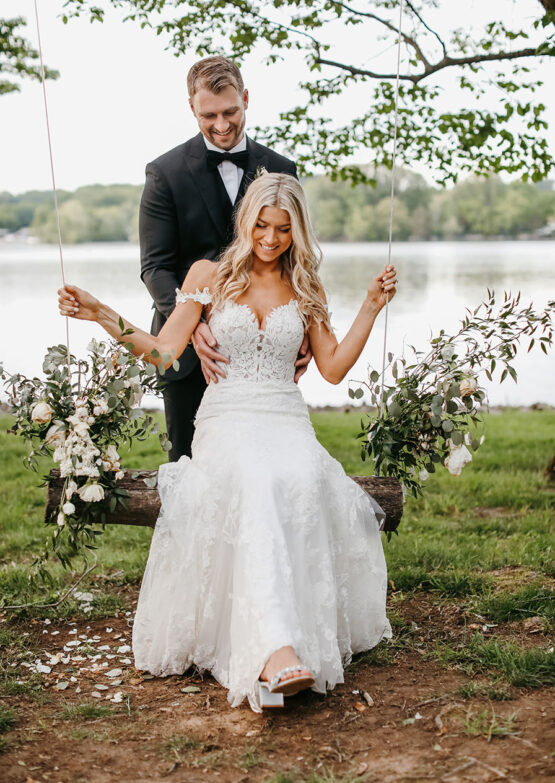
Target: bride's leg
[282,659]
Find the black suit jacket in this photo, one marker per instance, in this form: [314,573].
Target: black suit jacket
[185,214]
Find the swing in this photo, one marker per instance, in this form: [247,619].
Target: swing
[142,502]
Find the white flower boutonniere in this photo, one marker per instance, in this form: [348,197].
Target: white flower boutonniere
[260,171]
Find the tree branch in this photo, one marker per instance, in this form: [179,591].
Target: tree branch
[407,38]
[446,62]
[433,32]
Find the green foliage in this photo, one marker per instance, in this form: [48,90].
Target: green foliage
[487,131]
[18,59]
[339,211]
[430,409]
[94,213]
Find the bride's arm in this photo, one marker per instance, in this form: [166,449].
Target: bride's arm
[174,335]
[333,359]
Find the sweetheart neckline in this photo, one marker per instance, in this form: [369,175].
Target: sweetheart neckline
[267,316]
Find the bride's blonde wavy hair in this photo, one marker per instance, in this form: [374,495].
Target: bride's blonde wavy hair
[300,261]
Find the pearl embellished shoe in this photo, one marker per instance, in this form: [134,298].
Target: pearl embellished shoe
[272,692]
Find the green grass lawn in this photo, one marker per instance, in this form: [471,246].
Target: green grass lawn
[497,514]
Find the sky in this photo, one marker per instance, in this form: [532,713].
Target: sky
[121,98]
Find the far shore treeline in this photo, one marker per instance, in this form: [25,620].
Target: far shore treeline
[474,208]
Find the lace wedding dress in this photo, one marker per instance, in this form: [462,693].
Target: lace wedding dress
[262,540]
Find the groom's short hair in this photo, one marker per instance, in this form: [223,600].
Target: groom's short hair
[215,74]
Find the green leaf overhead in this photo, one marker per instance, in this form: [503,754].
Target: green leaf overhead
[479,134]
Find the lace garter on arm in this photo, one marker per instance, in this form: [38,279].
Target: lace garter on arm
[203,297]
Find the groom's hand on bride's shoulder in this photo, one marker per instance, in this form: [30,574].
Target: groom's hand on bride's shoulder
[204,345]
[303,359]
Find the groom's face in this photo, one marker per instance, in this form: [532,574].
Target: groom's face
[221,116]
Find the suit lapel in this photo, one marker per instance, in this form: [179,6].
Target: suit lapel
[207,184]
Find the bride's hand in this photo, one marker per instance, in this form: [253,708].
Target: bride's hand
[382,288]
[77,303]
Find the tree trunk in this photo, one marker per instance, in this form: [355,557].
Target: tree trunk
[143,502]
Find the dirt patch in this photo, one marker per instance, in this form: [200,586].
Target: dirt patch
[400,716]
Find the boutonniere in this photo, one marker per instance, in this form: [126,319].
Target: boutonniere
[260,171]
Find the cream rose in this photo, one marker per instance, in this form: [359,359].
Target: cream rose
[91,493]
[56,434]
[41,413]
[68,508]
[468,386]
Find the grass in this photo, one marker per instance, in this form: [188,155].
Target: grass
[327,776]
[86,710]
[533,600]
[486,723]
[527,668]
[7,718]
[491,691]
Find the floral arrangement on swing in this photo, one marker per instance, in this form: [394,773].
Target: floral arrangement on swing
[432,407]
[79,416]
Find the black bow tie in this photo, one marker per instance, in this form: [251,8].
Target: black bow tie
[214,158]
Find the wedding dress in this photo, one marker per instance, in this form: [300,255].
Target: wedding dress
[262,540]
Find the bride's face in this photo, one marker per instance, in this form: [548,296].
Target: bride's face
[271,235]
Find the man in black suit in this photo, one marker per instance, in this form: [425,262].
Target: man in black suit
[186,213]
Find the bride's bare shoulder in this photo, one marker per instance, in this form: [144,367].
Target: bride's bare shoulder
[201,274]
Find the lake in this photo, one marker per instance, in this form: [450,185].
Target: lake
[437,280]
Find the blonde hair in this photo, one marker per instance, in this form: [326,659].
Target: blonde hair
[215,74]
[300,261]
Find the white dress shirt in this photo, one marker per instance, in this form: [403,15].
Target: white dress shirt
[230,173]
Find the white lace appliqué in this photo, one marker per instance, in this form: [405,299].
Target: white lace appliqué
[203,297]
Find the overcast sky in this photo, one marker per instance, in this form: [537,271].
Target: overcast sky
[121,98]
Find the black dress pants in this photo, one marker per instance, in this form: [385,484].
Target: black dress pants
[181,401]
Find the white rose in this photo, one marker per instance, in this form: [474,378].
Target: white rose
[91,493]
[70,489]
[468,386]
[119,475]
[56,434]
[423,475]
[61,520]
[41,413]
[457,459]
[68,508]
[447,352]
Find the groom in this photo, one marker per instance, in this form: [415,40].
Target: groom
[186,213]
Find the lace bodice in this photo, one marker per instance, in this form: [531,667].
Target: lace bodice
[256,354]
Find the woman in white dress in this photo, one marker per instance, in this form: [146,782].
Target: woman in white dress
[266,565]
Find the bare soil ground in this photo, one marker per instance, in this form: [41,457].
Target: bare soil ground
[400,716]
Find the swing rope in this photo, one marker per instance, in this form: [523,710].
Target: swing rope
[54,190]
[391,198]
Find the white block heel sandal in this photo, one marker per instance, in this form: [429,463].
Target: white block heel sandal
[272,693]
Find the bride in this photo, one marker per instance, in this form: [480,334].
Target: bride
[266,565]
